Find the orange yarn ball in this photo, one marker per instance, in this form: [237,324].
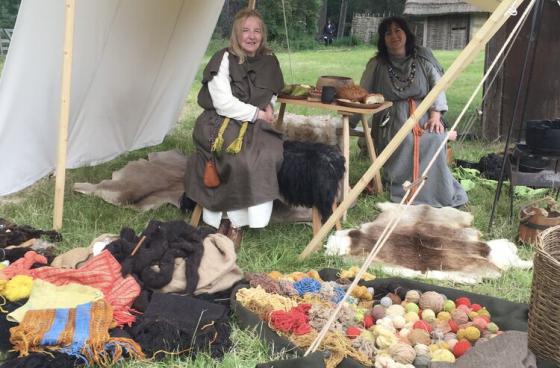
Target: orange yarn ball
[461,348]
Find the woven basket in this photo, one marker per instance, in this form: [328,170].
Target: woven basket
[544,313]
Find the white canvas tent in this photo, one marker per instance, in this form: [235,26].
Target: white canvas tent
[128,64]
[133,64]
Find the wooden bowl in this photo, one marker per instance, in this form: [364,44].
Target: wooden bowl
[334,81]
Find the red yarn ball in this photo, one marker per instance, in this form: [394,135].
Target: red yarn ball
[368,321]
[463,301]
[352,332]
[453,326]
[461,348]
[422,325]
[476,307]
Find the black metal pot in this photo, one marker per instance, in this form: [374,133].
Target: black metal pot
[543,136]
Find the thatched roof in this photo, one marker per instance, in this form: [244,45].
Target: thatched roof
[439,7]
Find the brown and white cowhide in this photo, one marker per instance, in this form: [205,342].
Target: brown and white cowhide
[314,128]
[436,243]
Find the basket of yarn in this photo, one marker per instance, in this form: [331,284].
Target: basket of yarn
[544,314]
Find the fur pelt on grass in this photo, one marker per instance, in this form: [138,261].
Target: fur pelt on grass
[432,242]
[310,174]
[315,128]
[143,184]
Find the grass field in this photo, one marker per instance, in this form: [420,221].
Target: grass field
[277,246]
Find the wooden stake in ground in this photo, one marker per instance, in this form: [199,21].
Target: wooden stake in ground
[496,20]
[69,12]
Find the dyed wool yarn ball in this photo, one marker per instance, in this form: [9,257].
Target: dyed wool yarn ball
[449,305]
[398,322]
[411,317]
[443,355]
[428,315]
[461,348]
[386,302]
[492,327]
[444,316]
[418,336]
[459,317]
[395,299]
[421,361]
[378,312]
[412,296]
[431,300]
[412,307]
[422,349]
[402,353]
[395,310]
[463,301]
[423,325]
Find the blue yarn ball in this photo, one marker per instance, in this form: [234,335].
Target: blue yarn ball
[307,285]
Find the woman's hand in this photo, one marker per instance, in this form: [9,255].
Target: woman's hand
[266,114]
[434,123]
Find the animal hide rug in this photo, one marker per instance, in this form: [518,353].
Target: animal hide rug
[143,184]
[314,129]
[436,243]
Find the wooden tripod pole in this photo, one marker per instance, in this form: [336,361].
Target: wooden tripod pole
[496,20]
[252,4]
[69,12]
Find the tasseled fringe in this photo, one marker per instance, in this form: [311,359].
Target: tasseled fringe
[237,144]
[110,352]
[219,140]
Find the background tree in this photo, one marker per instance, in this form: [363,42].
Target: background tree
[8,13]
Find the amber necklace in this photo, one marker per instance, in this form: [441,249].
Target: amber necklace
[396,78]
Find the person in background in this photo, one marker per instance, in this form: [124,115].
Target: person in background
[235,132]
[328,32]
[404,73]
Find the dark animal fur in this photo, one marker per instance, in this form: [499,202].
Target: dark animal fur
[310,174]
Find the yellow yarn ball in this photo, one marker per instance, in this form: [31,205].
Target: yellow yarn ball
[443,355]
[3,283]
[411,317]
[275,275]
[483,313]
[472,314]
[444,316]
[471,333]
[19,287]
[428,315]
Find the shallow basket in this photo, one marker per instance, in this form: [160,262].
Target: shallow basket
[544,313]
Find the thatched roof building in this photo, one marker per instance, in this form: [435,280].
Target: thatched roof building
[439,7]
[444,24]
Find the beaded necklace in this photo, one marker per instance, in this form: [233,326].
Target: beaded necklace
[395,77]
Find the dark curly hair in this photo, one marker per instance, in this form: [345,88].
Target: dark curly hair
[410,45]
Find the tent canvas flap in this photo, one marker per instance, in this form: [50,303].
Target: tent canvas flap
[133,64]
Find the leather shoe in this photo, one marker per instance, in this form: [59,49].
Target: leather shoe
[225,225]
[235,234]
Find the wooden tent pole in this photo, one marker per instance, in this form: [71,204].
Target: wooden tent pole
[252,4]
[69,12]
[496,20]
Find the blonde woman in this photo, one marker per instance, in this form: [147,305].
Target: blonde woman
[236,134]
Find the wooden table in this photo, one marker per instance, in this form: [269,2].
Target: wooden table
[345,112]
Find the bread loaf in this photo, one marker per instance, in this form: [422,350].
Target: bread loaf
[374,98]
[353,93]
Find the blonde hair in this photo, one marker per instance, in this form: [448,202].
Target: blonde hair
[237,30]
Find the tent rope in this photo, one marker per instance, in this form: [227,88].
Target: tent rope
[471,121]
[287,40]
[405,202]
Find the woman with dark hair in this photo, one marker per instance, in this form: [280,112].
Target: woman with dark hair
[232,174]
[404,73]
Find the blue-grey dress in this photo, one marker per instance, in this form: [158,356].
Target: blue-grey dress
[441,189]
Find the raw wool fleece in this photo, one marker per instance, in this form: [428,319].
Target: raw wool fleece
[164,241]
[314,129]
[433,242]
[143,184]
[310,174]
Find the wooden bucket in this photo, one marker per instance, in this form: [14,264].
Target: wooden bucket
[533,219]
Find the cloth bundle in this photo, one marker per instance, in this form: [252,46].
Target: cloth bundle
[310,174]
[102,272]
[176,323]
[162,243]
[81,332]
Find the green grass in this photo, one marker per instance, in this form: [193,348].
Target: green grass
[277,246]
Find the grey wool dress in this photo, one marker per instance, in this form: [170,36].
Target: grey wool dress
[248,177]
[441,189]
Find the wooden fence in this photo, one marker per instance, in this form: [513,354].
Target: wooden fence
[5,38]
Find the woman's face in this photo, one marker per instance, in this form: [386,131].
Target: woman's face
[395,39]
[251,35]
